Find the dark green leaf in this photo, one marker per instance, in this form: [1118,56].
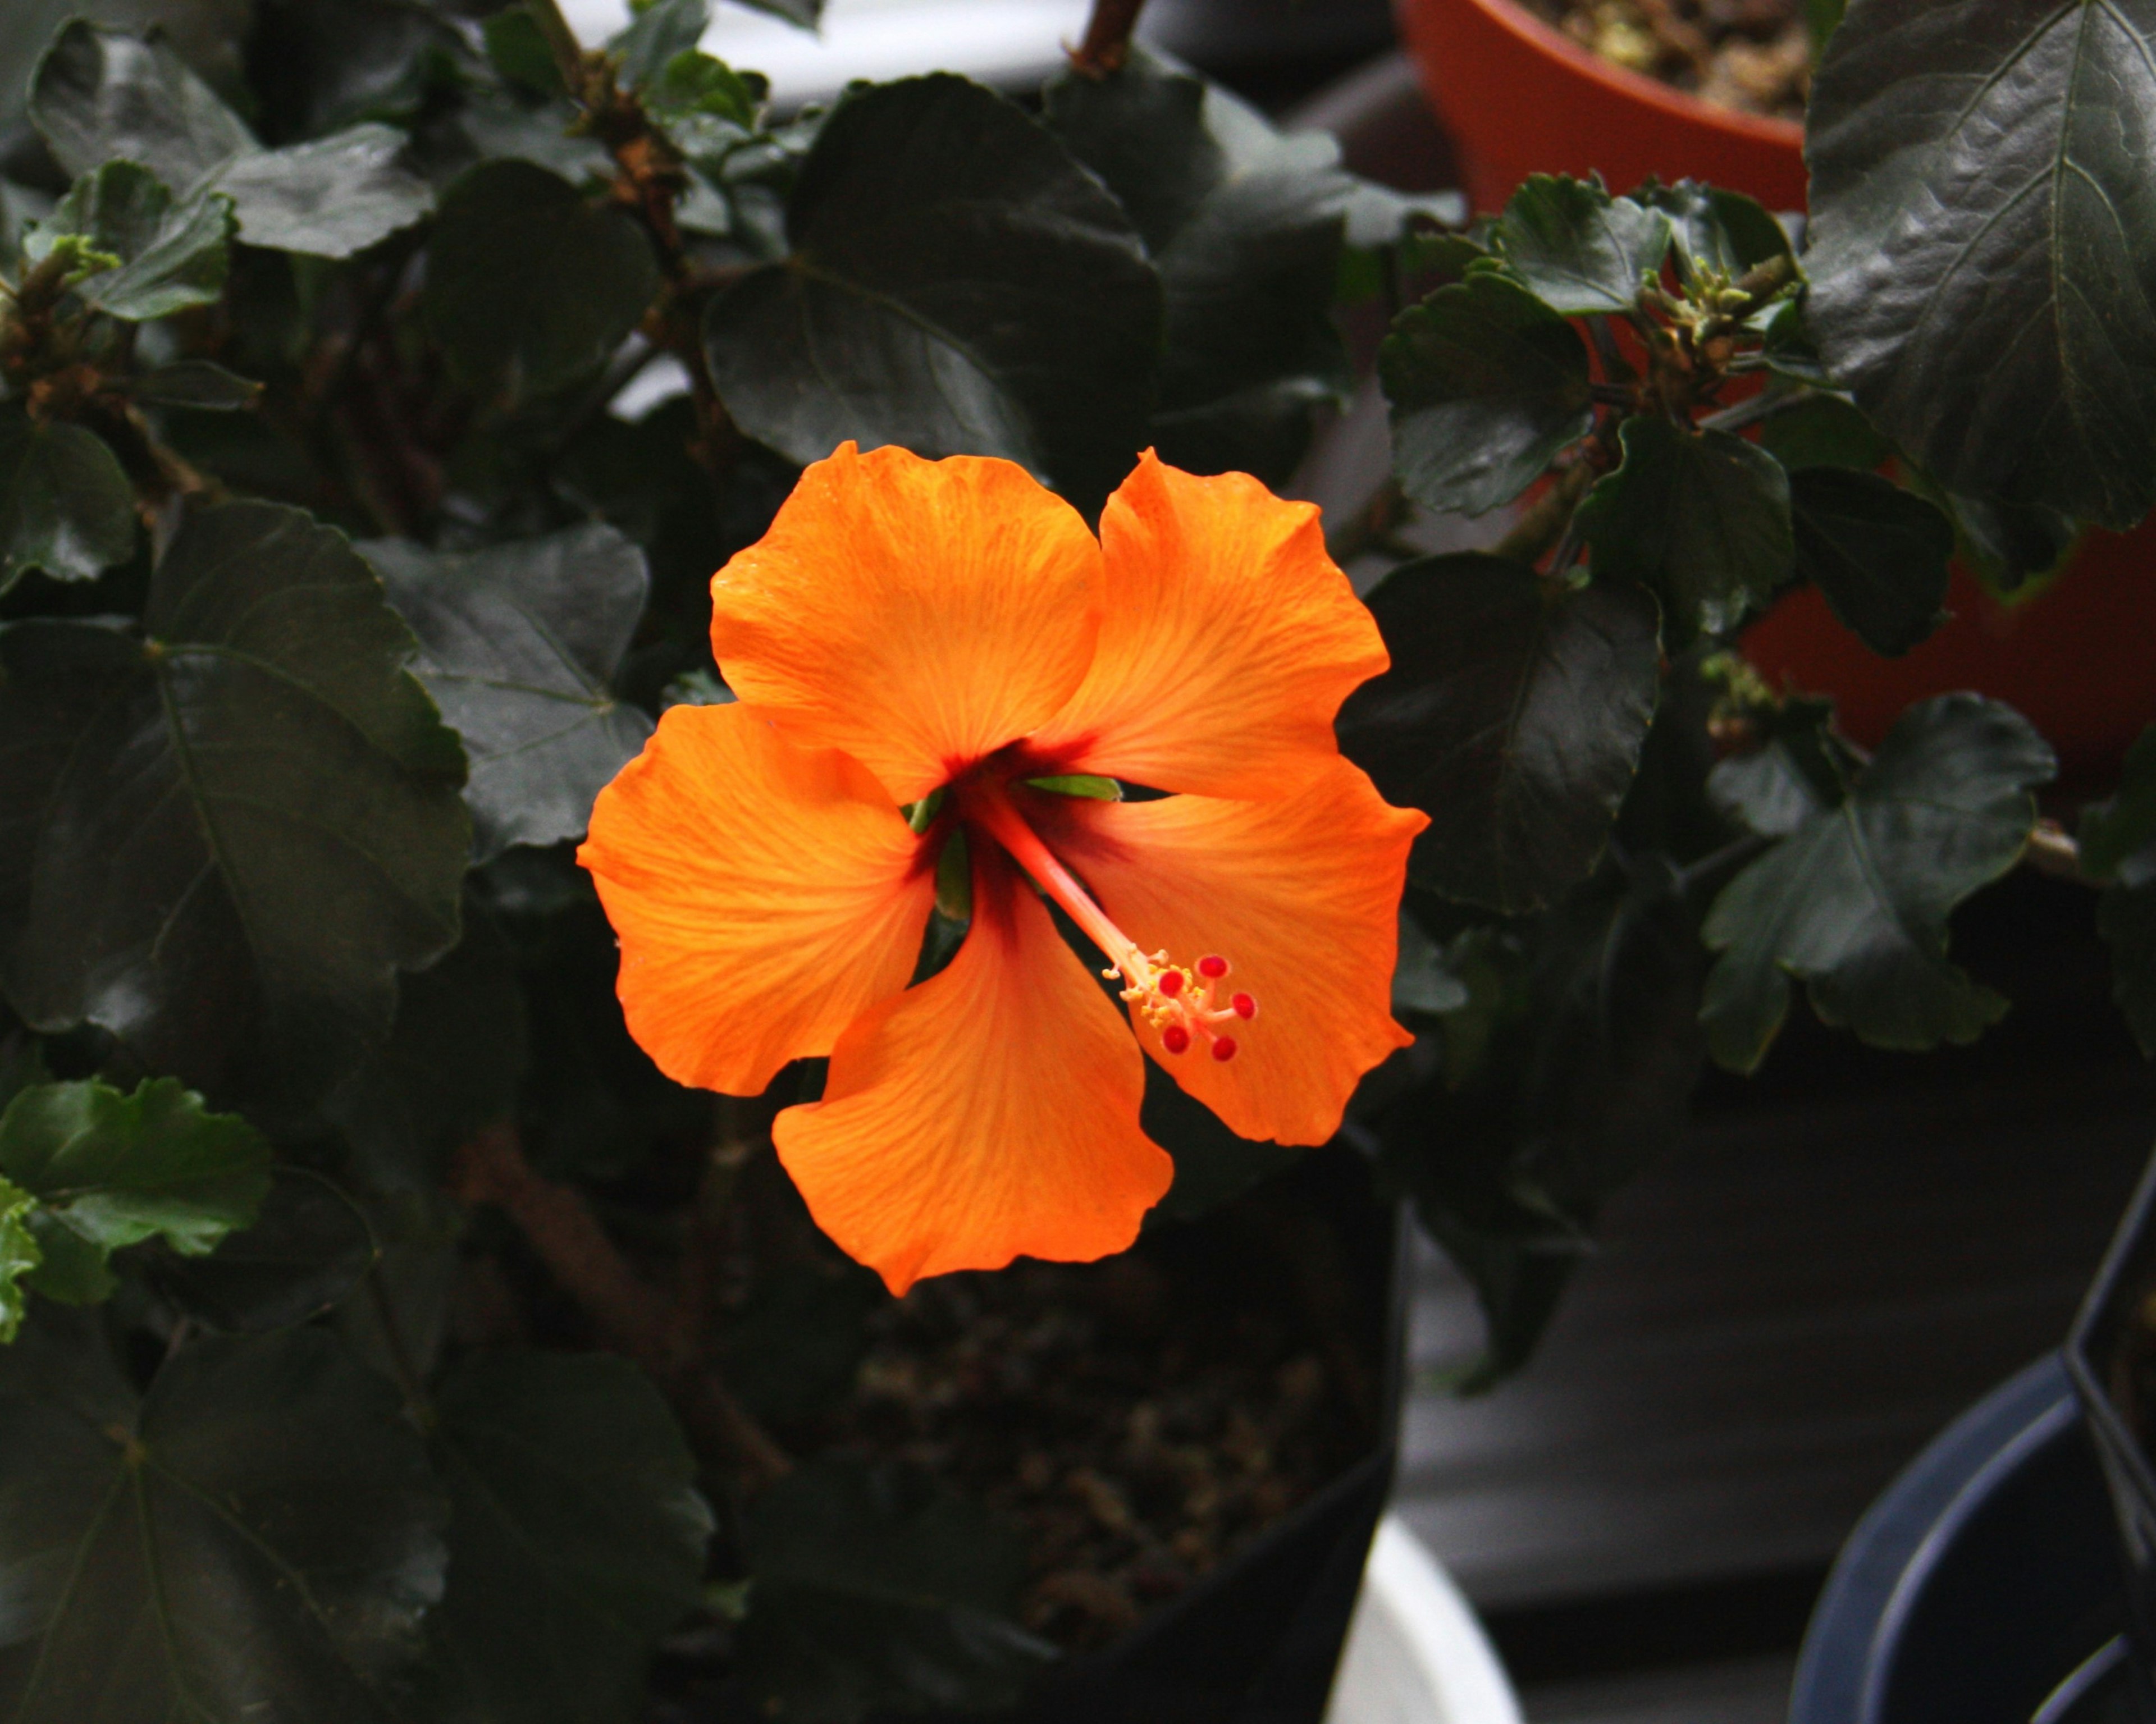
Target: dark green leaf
[200,383]
[1424,985]
[1486,385]
[1590,1048]
[1795,770]
[519,645]
[1701,516]
[806,13]
[519,50]
[2126,916]
[1855,901]
[18,1256]
[792,1350]
[577,1536]
[242,825]
[114,1170]
[696,84]
[1720,234]
[99,96]
[66,507]
[874,1586]
[2009,544]
[528,286]
[451,1066]
[1512,715]
[959,285]
[330,198]
[1577,249]
[1983,261]
[305,1251]
[655,35]
[1821,19]
[1878,552]
[258,1538]
[1823,430]
[1244,224]
[2116,832]
[169,258]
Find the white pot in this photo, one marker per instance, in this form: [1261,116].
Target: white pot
[1415,1653]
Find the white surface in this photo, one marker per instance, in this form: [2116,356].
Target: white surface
[1002,42]
[1415,1653]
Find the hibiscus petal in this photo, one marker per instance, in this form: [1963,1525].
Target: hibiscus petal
[917,614]
[765,895]
[1228,640]
[990,1113]
[1301,895]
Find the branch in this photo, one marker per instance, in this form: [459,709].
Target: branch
[1107,43]
[633,1317]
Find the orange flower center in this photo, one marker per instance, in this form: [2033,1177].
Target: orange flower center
[1182,1001]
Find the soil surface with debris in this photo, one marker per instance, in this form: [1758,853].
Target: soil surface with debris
[1752,55]
[1140,1419]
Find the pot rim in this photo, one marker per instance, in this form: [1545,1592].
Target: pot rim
[1649,92]
[2123,1448]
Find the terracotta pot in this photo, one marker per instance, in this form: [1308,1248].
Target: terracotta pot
[1520,98]
[2079,659]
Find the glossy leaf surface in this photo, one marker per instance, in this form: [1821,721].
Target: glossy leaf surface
[65,505]
[1244,224]
[238,827]
[577,1536]
[1983,242]
[257,1538]
[1701,516]
[529,286]
[1577,249]
[1879,553]
[1855,901]
[958,284]
[1511,717]
[1486,385]
[519,644]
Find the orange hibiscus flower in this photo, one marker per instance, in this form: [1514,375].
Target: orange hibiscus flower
[910,626]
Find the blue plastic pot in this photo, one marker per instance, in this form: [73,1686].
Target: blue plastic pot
[1985,1586]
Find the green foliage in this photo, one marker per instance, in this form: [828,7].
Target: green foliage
[1701,516]
[1854,902]
[1512,716]
[277,1464]
[66,507]
[19,1256]
[530,286]
[870,1587]
[109,1170]
[235,828]
[1567,1072]
[1577,249]
[99,96]
[987,295]
[1983,268]
[1486,385]
[164,258]
[657,34]
[1879,554]
[1244,224]
[519,646]
[305,1249]
[577,1536]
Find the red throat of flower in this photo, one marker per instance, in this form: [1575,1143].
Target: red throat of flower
[1181,1002]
